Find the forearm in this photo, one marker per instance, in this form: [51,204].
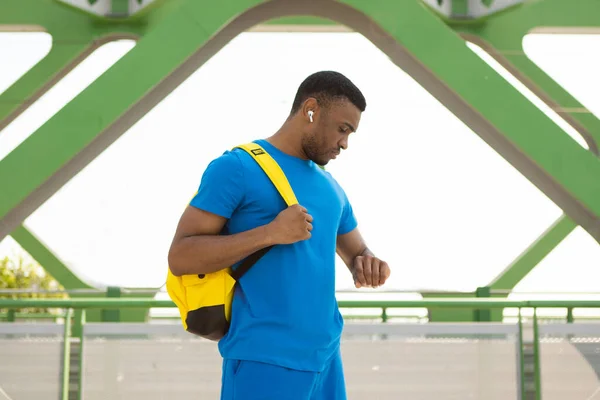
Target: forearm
[204,254]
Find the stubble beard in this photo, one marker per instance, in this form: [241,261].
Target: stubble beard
[311,148]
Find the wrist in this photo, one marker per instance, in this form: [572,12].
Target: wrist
[366,252]
[267,235]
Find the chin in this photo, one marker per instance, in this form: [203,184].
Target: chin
[320,161]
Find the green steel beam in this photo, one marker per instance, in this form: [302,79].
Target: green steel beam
[476,303]
[449,315]
[117,11]
[460,8]
[502,36]
[112,315]
[59,271]
[35,82]
[532,256]
[72,42]
[299,20]
[120,7]
[536,357]
[521,348]
[80,320]
[66,357]
[47,259]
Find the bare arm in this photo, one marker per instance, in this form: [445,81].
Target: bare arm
[367,270]
[350,246]
[198,247]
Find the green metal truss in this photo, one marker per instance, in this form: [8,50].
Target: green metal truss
[532,256]
[114,10]
[39,79]
[44,256]
[72,42]
[178,37]
[502,36]
[59,271]
[466,10]
[419,42]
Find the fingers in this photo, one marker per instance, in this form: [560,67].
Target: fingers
[358,273]
[375,272]
[384,272]
[370,271]
[304,211]
[299,207]
[309,219]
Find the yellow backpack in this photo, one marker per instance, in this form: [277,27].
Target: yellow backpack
[204,300]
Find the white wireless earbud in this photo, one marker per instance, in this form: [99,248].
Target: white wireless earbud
[310,114]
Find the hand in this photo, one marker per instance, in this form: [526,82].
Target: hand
[369,271]
[291,225]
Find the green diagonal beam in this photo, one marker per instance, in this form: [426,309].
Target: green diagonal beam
[502,36]
[36,81]
[63,55]
[63,275]
[533,255]
[71,43]
[47,259]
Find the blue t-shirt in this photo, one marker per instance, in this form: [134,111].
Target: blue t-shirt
[284,310]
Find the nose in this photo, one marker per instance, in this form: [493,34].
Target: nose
[343,143]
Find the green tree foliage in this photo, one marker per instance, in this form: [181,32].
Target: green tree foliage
[20,271]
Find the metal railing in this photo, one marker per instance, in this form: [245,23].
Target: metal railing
[75,312]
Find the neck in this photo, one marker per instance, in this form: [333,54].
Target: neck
[288,139]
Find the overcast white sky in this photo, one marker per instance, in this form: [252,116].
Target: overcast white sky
[432,198]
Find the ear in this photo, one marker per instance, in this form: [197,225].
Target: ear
[310,109]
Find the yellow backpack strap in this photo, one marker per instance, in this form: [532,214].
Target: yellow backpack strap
[273,171]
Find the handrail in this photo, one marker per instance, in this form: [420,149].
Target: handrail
[80,305]
[132,302]
[75,291]
[93,291]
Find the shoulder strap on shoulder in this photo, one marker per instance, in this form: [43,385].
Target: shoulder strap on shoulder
[276,175]
[273,171]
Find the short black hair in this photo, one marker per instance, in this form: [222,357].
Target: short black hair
[326,86]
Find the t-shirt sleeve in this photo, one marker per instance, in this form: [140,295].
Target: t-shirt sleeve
[348,220]
[222,186]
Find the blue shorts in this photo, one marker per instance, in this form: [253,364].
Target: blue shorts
[250,380]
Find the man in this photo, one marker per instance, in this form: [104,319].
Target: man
[284,337]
